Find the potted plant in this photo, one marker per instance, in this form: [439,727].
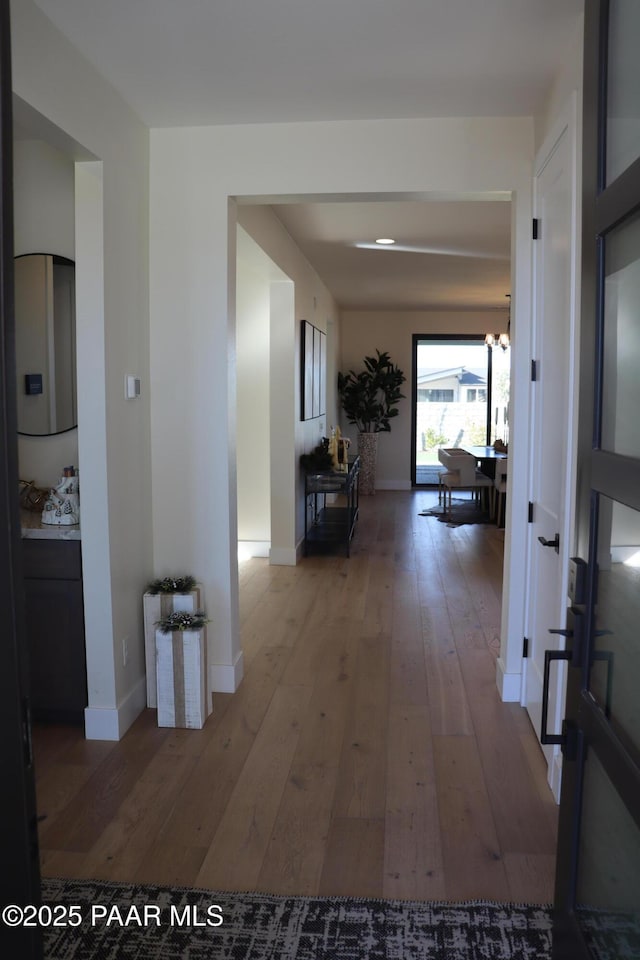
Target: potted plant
[181,670]
[369,399]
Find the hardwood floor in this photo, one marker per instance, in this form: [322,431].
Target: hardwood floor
[365,753]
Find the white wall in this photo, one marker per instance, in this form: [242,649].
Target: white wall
[364,332]
[195,175]
[253,307]
[291,436]
[113,339]
[567,82]
[43,201]
[43,210]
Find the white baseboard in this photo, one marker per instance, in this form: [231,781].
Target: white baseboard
[283,556]
[622,554]
[226,677]
[393,485]
[555,776]
[105,723]
[253,548]
[101,723]
[509,684]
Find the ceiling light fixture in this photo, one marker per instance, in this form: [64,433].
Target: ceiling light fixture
[501,339]
[384,241]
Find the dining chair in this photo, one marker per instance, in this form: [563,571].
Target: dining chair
[500,491]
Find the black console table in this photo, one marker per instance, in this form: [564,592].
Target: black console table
[326,525]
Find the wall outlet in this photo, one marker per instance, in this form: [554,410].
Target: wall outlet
[125,651]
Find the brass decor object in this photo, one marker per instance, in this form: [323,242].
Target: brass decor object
[32,498]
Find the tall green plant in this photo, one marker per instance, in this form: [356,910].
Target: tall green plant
[370,398]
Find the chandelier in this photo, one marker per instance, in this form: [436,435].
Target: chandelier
[501,339]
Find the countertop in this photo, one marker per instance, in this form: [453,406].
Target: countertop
[34,529]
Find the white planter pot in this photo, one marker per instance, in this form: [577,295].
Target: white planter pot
[181,678]
[156,606]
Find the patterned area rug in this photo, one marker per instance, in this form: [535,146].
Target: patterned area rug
[126,921]
[463,511]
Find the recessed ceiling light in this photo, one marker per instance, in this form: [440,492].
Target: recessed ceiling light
[385,240]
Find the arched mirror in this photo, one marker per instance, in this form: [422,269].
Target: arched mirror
[45,344]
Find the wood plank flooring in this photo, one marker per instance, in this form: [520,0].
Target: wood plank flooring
[366,752]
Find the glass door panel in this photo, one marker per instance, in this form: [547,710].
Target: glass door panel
[621,340]
[615,665]
[608,907]
[623,83]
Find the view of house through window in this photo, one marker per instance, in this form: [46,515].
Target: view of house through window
[462,398]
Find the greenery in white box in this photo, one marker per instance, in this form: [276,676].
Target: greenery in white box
[172,585]
[182,620]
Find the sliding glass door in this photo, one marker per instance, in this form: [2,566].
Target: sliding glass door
[460,394]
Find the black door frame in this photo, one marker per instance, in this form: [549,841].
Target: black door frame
[599,472]
[442,338]
[20,874]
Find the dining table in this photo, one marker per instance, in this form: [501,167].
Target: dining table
[487,458]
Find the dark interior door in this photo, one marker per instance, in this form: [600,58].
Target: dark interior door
[598,876]
[20,879]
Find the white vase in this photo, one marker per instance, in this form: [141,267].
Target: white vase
[181,678]
[62,506]
[368,453]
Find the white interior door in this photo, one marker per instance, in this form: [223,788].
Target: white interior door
[551,447]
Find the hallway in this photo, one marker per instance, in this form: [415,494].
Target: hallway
[366,752]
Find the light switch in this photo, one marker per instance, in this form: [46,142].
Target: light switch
[131,387]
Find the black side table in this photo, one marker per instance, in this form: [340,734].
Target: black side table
[326,525]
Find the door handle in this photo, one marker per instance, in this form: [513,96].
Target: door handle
[555,543]
[550,655]
[574,631]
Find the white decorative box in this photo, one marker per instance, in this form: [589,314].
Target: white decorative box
[181,678]
[156,607]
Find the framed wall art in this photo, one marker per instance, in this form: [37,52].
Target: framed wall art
[313,370]
[306,347]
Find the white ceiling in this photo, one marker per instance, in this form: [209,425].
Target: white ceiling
[447,253]
[183,62]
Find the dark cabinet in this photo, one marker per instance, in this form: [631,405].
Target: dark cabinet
[55,629]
